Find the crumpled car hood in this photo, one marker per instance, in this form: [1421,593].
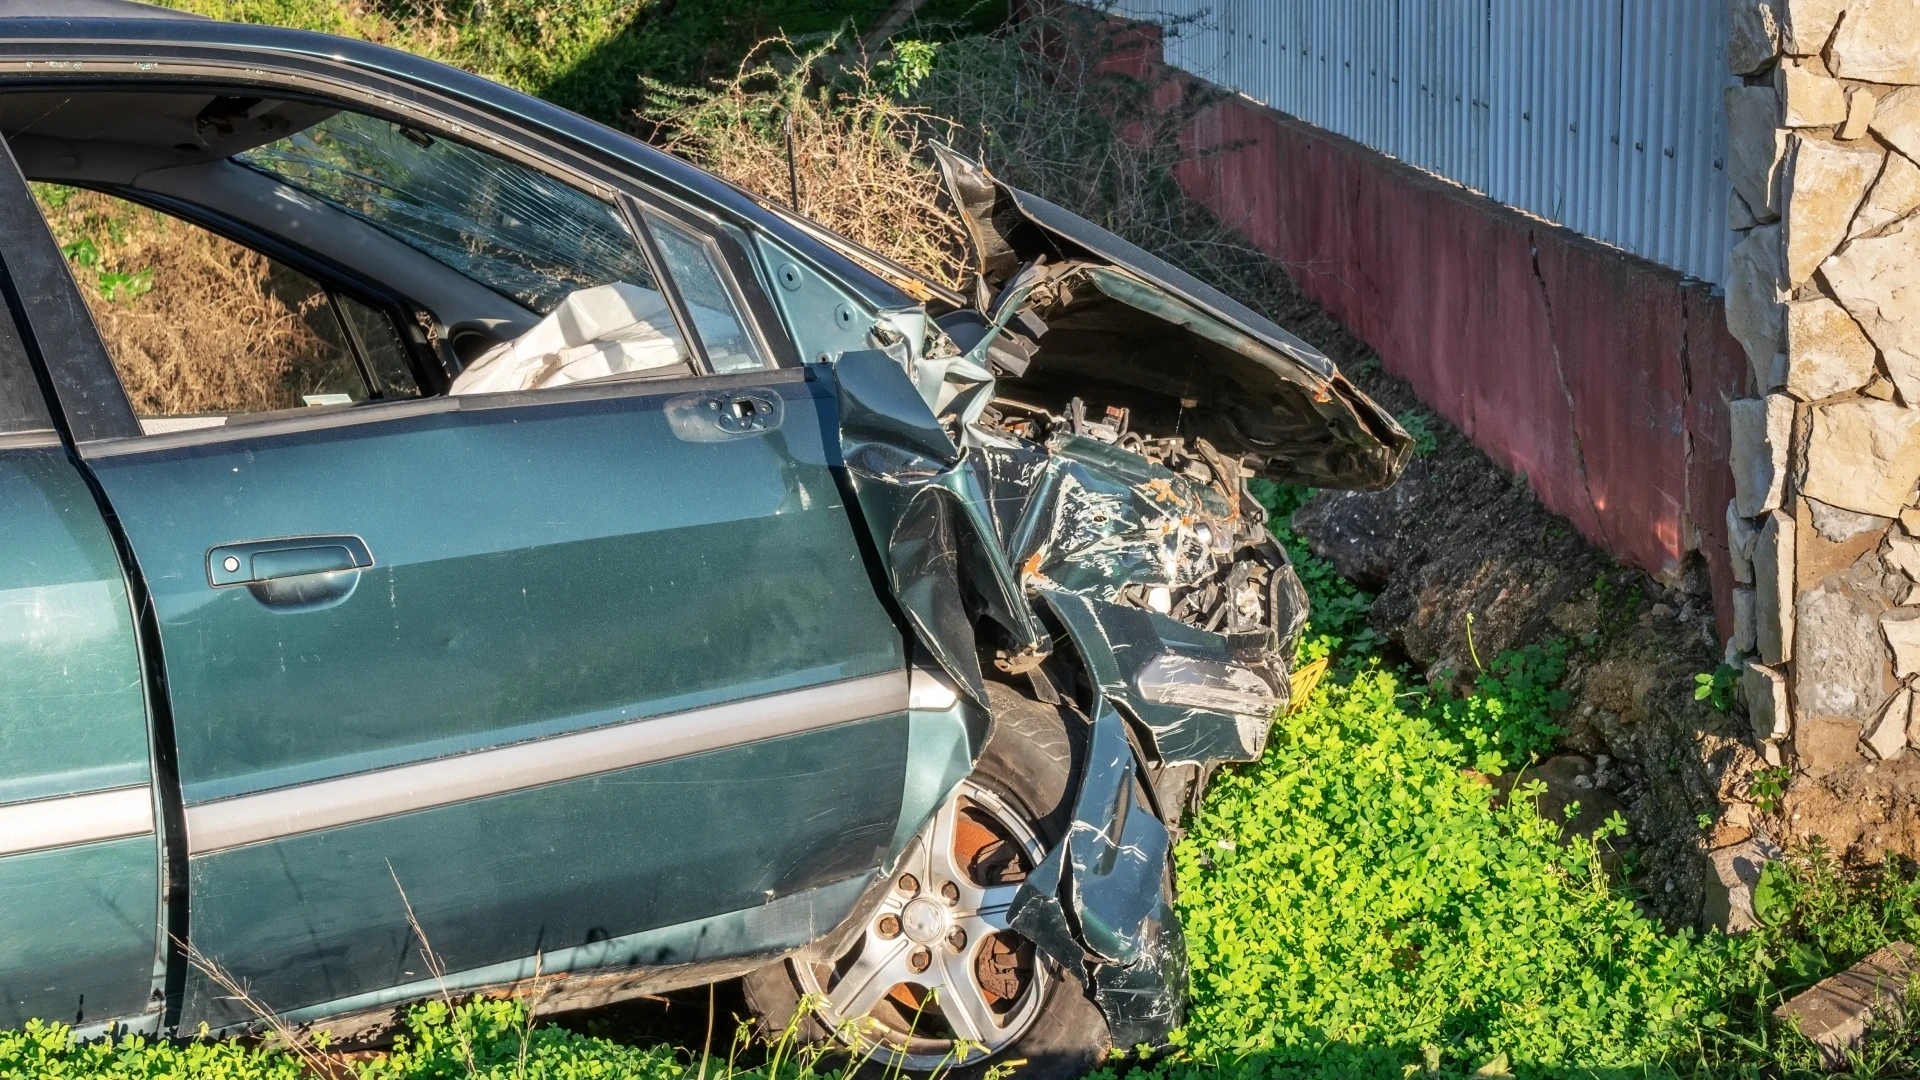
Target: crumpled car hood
[1121,326]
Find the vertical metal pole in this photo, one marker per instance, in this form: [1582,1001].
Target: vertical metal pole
[793,169]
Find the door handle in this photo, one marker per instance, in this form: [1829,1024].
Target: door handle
[719,416]
[253,561]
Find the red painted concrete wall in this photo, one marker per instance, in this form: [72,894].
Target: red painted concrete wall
[1601,376]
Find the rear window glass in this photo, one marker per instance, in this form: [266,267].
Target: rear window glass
[508,227]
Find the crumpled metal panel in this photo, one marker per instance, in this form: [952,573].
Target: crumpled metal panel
[1105,881]
[1126,648]
[924,503]
[1268,393]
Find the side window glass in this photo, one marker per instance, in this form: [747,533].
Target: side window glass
[380,342]
[515,230]
[694,262]
[557,251]
[199,328]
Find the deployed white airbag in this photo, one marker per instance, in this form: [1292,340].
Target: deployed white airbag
[595,333]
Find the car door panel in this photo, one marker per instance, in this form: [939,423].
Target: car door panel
[542,567]
[79,854]
[535,571]
[591,860]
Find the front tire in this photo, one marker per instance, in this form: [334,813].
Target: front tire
[936,982]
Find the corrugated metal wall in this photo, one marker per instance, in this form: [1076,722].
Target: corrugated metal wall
[1602,115]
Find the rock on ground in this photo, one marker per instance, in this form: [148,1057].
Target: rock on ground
[1732,872]
[1356,530]
[1837,1012]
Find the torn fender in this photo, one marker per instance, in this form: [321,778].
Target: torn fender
[924,501]
[1096,904]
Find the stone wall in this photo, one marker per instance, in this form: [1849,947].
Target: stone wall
[1824,295]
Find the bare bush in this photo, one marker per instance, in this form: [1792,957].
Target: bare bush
[1040,103]
[859,160]
[1050,106]
[194,322]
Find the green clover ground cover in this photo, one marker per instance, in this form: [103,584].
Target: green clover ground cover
[1363,901]
[1360,900]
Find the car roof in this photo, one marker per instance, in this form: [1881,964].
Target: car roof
[88,9]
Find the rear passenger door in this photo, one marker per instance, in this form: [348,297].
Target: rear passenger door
[79,851]
[595,675]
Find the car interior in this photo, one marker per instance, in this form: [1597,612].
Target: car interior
[273,254]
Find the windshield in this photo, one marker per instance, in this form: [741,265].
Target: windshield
[508,227]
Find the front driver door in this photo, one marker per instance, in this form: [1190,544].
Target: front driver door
[556,673]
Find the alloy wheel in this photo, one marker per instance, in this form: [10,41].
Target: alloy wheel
[937,978]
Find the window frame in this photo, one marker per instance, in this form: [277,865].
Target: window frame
[734,268]
[107,423]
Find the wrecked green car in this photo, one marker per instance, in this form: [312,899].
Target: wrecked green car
[630,585]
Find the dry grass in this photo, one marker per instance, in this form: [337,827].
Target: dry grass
[860,154]
[1033,101]
[194,322]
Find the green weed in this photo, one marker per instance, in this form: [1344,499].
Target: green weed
[1419,424]
[1508,718]
[1716,687]
[1337,627]
[1767,786]
[1360,896]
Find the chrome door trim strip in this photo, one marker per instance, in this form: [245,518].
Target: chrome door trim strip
[66,820]
[347,800]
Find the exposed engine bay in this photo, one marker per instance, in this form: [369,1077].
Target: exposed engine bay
[1158,524]
[1095,416]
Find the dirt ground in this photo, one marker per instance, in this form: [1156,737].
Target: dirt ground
[1466,562]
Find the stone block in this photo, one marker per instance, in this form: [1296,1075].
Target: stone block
[1827,352]
[1863,455]
[1756,144]
[1739,217]
[1761,432]
[1902,629]
[1732,873]
[1837,1012]
[1756,296]
[1910,520]
[1839,526]
[1826,183]
[1805,25]
[1885,737]
[1773,614]
[1768,707]
[1896,118]
[1753,35]
[1741,536]
[1859,114]
[1807,97]
[1903,554]
[1893,196]
[1743,640]
[1877,279]
[1839,659]
[1878,41]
